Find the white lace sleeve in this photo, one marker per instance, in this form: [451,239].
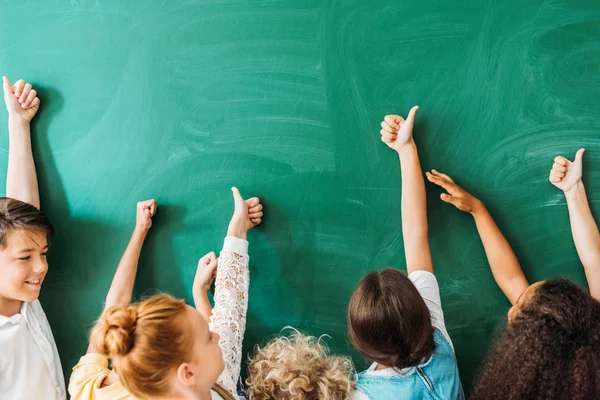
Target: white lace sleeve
[231,304]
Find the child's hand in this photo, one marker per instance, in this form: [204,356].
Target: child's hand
[21,100]
[145,212]
[397,132]
[246,215]
[565,174]
[456,195]
[206,273]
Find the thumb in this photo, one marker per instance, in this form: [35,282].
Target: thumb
[410,119]
[579,156]
[6,86]
[237,197]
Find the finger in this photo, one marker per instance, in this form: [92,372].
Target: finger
[256,208]
[388,128]
[384,132]
[6,86]
[553,177]
[386,140]
[212,261]
[439,181]
[253,202]
[256,221]
[579,156]
[35,102]
[388,136]
[442,175]
[18,87]
[559,168]
[561,160]
[32,95]
[559,175]
[391,121]
[206,259]
[255,215]
[25,93]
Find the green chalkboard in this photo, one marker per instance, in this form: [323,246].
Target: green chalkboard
[180,100]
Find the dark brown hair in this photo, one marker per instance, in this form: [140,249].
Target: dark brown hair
[550,350]
[15,214]
[388,320]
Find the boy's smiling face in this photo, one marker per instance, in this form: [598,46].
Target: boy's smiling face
[23,265]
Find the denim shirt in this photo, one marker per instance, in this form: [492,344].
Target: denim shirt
[437,378]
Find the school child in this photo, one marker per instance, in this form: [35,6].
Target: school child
[550,348]
[160,348]
[298,367]
[29,361]
[395,320]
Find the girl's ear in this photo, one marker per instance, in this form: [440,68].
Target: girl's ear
[185,375]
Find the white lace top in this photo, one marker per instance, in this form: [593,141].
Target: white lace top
[231,305]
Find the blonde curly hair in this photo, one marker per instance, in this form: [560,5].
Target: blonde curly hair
[298,367]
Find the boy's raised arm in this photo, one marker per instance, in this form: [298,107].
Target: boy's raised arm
[22,104]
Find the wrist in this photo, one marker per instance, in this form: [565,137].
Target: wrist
[140,231]
[574,191]
[406,148]
[478,208]
[14,118]
[237,229]
[200,294]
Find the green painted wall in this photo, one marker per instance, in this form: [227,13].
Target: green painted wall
[180,100]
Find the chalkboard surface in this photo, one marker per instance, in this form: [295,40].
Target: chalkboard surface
[180,100]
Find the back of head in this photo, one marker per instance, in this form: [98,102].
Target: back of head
[298,367]
[146,342]
[550,350]
[15,215]
[388,320]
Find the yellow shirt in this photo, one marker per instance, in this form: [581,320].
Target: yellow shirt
[87,377]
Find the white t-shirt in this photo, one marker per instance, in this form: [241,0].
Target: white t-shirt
[428,287]
[29,363]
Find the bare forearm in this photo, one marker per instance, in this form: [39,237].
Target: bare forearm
[585,235]
[121,289]
[203,304]
[21,180]
[503,262]
[414,211]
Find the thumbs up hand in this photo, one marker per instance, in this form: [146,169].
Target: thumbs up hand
[566,174]
[21,100]
[396,131]
[246,215]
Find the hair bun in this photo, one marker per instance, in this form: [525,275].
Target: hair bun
[114,334]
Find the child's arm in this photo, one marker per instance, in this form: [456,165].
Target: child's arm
[231,288]
[121,288]
[205,276]
[22,104]
[397,134]
[503,262]
[566,175]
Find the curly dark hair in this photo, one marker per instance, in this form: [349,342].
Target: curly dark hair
[550,350]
